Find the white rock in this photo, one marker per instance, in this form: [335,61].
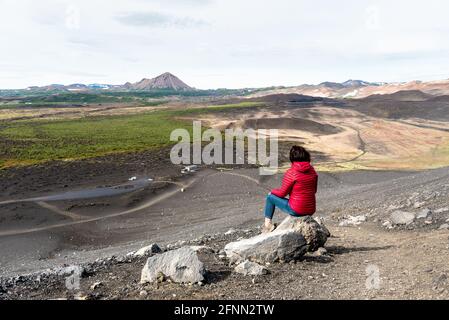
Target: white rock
[291,240]
[442,210]
[143,293]
[69,270]
[181,266]
[251,268]
[417,205]
[321,252]
[148,250]
[352,221]
[230,231]
[387,224]
[444,226]
[96,285]
[402,217]
[423,214]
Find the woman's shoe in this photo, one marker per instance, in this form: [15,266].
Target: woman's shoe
[268,229]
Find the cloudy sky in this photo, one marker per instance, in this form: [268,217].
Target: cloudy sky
[222,43]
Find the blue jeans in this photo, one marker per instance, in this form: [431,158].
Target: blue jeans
[281,203]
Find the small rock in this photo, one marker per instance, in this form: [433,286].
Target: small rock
[96,285]
[143,293]
[418,205]
[148,250]
[321,252]
[387,224]
[202,249]
[251,268]
[160,277]
[230,231]
[423,214]
[442,210]
[402,217]
[352,221]
[444,226]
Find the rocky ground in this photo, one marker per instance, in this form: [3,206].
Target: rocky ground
[410,265]
[389,240]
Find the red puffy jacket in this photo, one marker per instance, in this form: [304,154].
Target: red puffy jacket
[300,182]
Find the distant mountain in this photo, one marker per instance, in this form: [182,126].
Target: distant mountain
[405,95]
[350,89]
[356,89]
[347,84]
[164,81]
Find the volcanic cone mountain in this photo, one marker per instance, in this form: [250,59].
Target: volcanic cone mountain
[164,81]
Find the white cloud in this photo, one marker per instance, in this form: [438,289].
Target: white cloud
[221,43]
[157,20]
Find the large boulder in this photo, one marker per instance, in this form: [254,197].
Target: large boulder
[313,230]
[181,266]
[290,241]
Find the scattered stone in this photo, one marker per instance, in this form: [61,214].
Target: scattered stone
[251,268]
[402,217]
[442,210]
[352,221]
[387,224]
[69,270]
[321,252]
[444,226]
[181,266]
[96,285]
[423,214]
[148,250]
[230,231]
[202,249]
[80,297]
[143,293]
[439,281]
[393,207]
[290,241]
[160,277]
[418,205]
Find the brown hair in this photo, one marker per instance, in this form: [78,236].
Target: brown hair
[299,154]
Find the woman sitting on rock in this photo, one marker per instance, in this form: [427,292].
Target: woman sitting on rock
[300,184]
